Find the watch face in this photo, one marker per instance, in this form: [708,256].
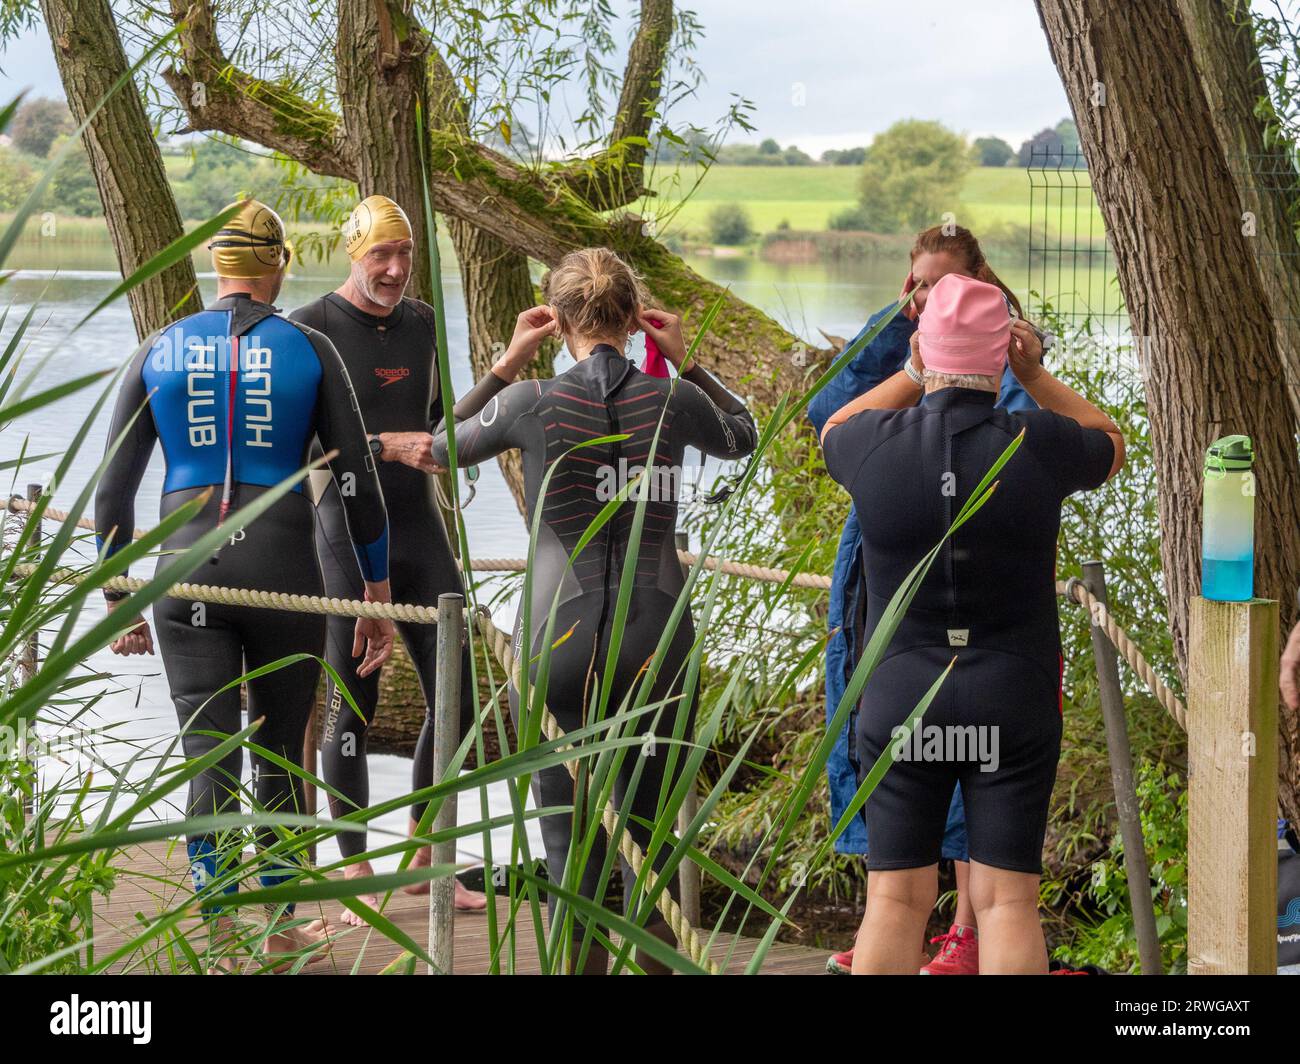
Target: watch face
[376,446]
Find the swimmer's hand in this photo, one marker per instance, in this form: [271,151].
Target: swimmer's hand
[918,363]
[1025,352]
[138,640]
[409,448]
[532,327]
[373,634]
[666,330]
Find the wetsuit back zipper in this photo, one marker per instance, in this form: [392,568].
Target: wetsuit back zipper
[950,566]
[615,454]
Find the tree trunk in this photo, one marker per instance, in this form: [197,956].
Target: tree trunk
[497,287]
[138,203]
[495,279]
[1227,60]
[1191,282]
[381,81]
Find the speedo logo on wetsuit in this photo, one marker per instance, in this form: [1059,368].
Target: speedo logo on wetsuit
[392,376]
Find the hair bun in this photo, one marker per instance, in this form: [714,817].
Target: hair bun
[594,293]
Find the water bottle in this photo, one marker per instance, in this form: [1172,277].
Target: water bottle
[1228,521]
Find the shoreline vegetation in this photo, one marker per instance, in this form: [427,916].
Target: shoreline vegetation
[788,213]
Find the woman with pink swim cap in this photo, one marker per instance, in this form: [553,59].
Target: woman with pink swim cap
[989,602]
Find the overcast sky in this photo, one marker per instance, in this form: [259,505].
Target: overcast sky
[824,73]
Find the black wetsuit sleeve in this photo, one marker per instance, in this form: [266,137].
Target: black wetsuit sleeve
[494,429]
[719,423]
[339,428]
[115,493]
[1081,458]
[477,397]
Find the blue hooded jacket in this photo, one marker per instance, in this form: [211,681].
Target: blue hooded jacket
[881,358]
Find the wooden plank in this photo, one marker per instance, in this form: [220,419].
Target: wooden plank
[1232,754]
[155,878]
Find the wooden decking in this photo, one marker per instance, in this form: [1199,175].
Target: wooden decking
[156,879]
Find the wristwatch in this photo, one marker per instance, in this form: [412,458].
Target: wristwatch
[912,373]
[376,447]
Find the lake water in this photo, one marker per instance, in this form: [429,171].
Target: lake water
[66,282]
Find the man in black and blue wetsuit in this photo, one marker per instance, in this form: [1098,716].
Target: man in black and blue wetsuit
[236,394]
[386,340]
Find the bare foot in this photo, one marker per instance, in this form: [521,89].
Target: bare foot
[221,952]
[466,900]
[469,901]
[356,871]
[283,948]
[423,857]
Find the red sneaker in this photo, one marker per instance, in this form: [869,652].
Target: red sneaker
[959,953]
[840,963]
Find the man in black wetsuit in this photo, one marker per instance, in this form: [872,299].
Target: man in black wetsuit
[236,394]
[387,342]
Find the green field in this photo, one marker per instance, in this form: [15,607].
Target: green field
[807,196]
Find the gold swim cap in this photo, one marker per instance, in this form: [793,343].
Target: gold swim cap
[251,244]
[375,220]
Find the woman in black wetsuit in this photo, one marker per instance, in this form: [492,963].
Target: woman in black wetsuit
[988,603]
[595,301]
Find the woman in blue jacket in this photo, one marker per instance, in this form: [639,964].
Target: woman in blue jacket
[935,254]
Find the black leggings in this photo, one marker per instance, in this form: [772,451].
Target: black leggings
[204,646]
[419,572]
[574,685]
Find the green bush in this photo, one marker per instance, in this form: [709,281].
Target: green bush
[913,174]
[850,219]
[39,123]
[1119,524]
[729,224]
[16,179]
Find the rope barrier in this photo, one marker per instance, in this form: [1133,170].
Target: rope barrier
[1073,590]
[259,599]
[1098,612]
[17,504]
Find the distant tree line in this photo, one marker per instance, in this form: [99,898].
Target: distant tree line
[205,175]
[1056,146]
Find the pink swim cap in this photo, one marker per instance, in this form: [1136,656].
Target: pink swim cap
[965,327]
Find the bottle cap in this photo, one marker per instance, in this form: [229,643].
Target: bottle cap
[1229,453]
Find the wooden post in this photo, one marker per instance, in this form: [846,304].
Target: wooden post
[30,666]
[1136,869]
[688,875]
[1232,740]
[446,738]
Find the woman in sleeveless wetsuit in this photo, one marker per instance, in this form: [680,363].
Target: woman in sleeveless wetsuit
[595,301]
